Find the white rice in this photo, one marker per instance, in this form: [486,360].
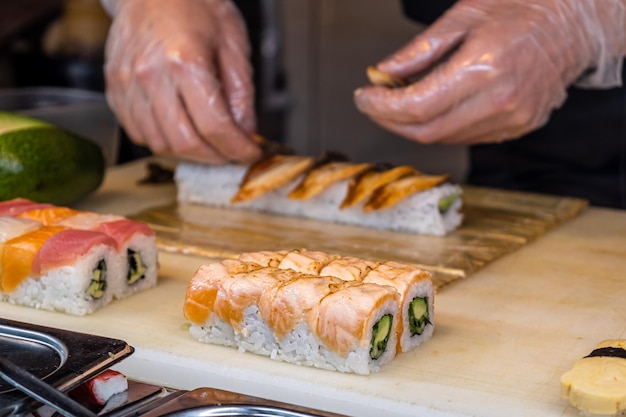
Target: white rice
[64,289]
[418,213]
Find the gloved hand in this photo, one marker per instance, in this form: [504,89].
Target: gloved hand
[179,78]
[492,70]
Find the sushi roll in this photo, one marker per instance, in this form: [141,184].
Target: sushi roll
[413,284]
[136,242]
[369,195]
[294,312]
[59,269]
[357,326]
[416,297]
[33,235]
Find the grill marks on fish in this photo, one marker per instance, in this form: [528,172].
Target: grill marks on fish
[292,302]
[348,268]
[305,261]
[376,186]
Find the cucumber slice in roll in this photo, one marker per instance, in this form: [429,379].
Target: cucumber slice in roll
[380,336]
[98,283]
[418,315]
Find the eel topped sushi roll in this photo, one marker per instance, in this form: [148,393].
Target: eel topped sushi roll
[312,308]
[378,196]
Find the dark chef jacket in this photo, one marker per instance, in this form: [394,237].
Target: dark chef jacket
[580,152]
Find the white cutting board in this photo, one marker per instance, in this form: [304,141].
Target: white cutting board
[503,336]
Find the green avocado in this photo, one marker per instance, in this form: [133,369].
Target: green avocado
[41,162]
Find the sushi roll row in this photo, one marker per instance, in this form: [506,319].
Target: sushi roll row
[60,259]
[378,196]
[312,308]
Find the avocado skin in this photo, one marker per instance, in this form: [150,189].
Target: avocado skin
[47,164]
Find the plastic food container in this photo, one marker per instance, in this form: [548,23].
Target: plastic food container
[83,112]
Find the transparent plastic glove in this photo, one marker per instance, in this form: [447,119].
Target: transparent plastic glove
[179,78]
[492,70]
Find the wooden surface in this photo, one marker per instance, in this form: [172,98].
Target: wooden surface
[503,335]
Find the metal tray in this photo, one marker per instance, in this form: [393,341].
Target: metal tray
[61,358]
[216,402]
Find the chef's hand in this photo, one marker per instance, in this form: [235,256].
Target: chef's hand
[179,78]
[492,70]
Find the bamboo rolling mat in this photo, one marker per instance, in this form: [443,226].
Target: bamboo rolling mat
[496,222]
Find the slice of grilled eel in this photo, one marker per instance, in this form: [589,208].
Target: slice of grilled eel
[365,184]
[393,192]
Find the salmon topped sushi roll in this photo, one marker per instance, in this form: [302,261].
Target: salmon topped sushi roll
[357,326]
[313,308]
[415,289]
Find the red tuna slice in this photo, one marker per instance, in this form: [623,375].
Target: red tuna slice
[66,247]
[123,230]
[17,206]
